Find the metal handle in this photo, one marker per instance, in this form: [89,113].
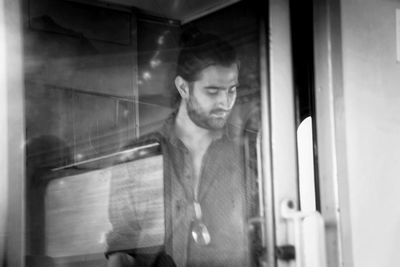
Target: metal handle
[308,235]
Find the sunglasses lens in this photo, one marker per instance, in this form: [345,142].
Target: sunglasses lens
[200,233]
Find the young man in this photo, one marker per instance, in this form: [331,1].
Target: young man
[203,166]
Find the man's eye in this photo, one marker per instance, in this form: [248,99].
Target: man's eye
[212,91]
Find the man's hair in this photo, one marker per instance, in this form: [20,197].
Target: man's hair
[201,51]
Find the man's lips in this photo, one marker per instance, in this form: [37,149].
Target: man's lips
[220,113]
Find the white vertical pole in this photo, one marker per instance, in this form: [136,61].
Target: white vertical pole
[12,165]
[3,139]
[282,112]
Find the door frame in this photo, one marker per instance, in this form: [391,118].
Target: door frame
[330,128]
[278,122]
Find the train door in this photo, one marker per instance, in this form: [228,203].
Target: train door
[115,85]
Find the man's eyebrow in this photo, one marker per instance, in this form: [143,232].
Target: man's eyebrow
[220,87]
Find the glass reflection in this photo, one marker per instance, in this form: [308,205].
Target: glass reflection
[89,95]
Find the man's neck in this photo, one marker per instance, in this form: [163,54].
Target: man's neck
[196,139]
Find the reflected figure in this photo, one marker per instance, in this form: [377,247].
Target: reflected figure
[205,199]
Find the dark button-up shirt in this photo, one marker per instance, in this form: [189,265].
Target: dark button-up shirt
[221,195]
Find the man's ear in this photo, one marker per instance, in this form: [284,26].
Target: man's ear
[182,86]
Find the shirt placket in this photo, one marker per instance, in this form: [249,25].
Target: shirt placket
[182,202]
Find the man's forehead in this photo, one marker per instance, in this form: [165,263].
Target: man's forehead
[219,74]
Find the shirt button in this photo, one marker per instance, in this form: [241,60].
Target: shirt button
[178,206]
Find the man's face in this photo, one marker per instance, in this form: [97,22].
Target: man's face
[212,96]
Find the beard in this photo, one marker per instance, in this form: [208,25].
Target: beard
[204,119]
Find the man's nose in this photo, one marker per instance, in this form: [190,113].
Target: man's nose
[225,100]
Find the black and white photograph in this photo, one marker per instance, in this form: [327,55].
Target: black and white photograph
[199,133]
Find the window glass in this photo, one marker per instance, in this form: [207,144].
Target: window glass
[133,147]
